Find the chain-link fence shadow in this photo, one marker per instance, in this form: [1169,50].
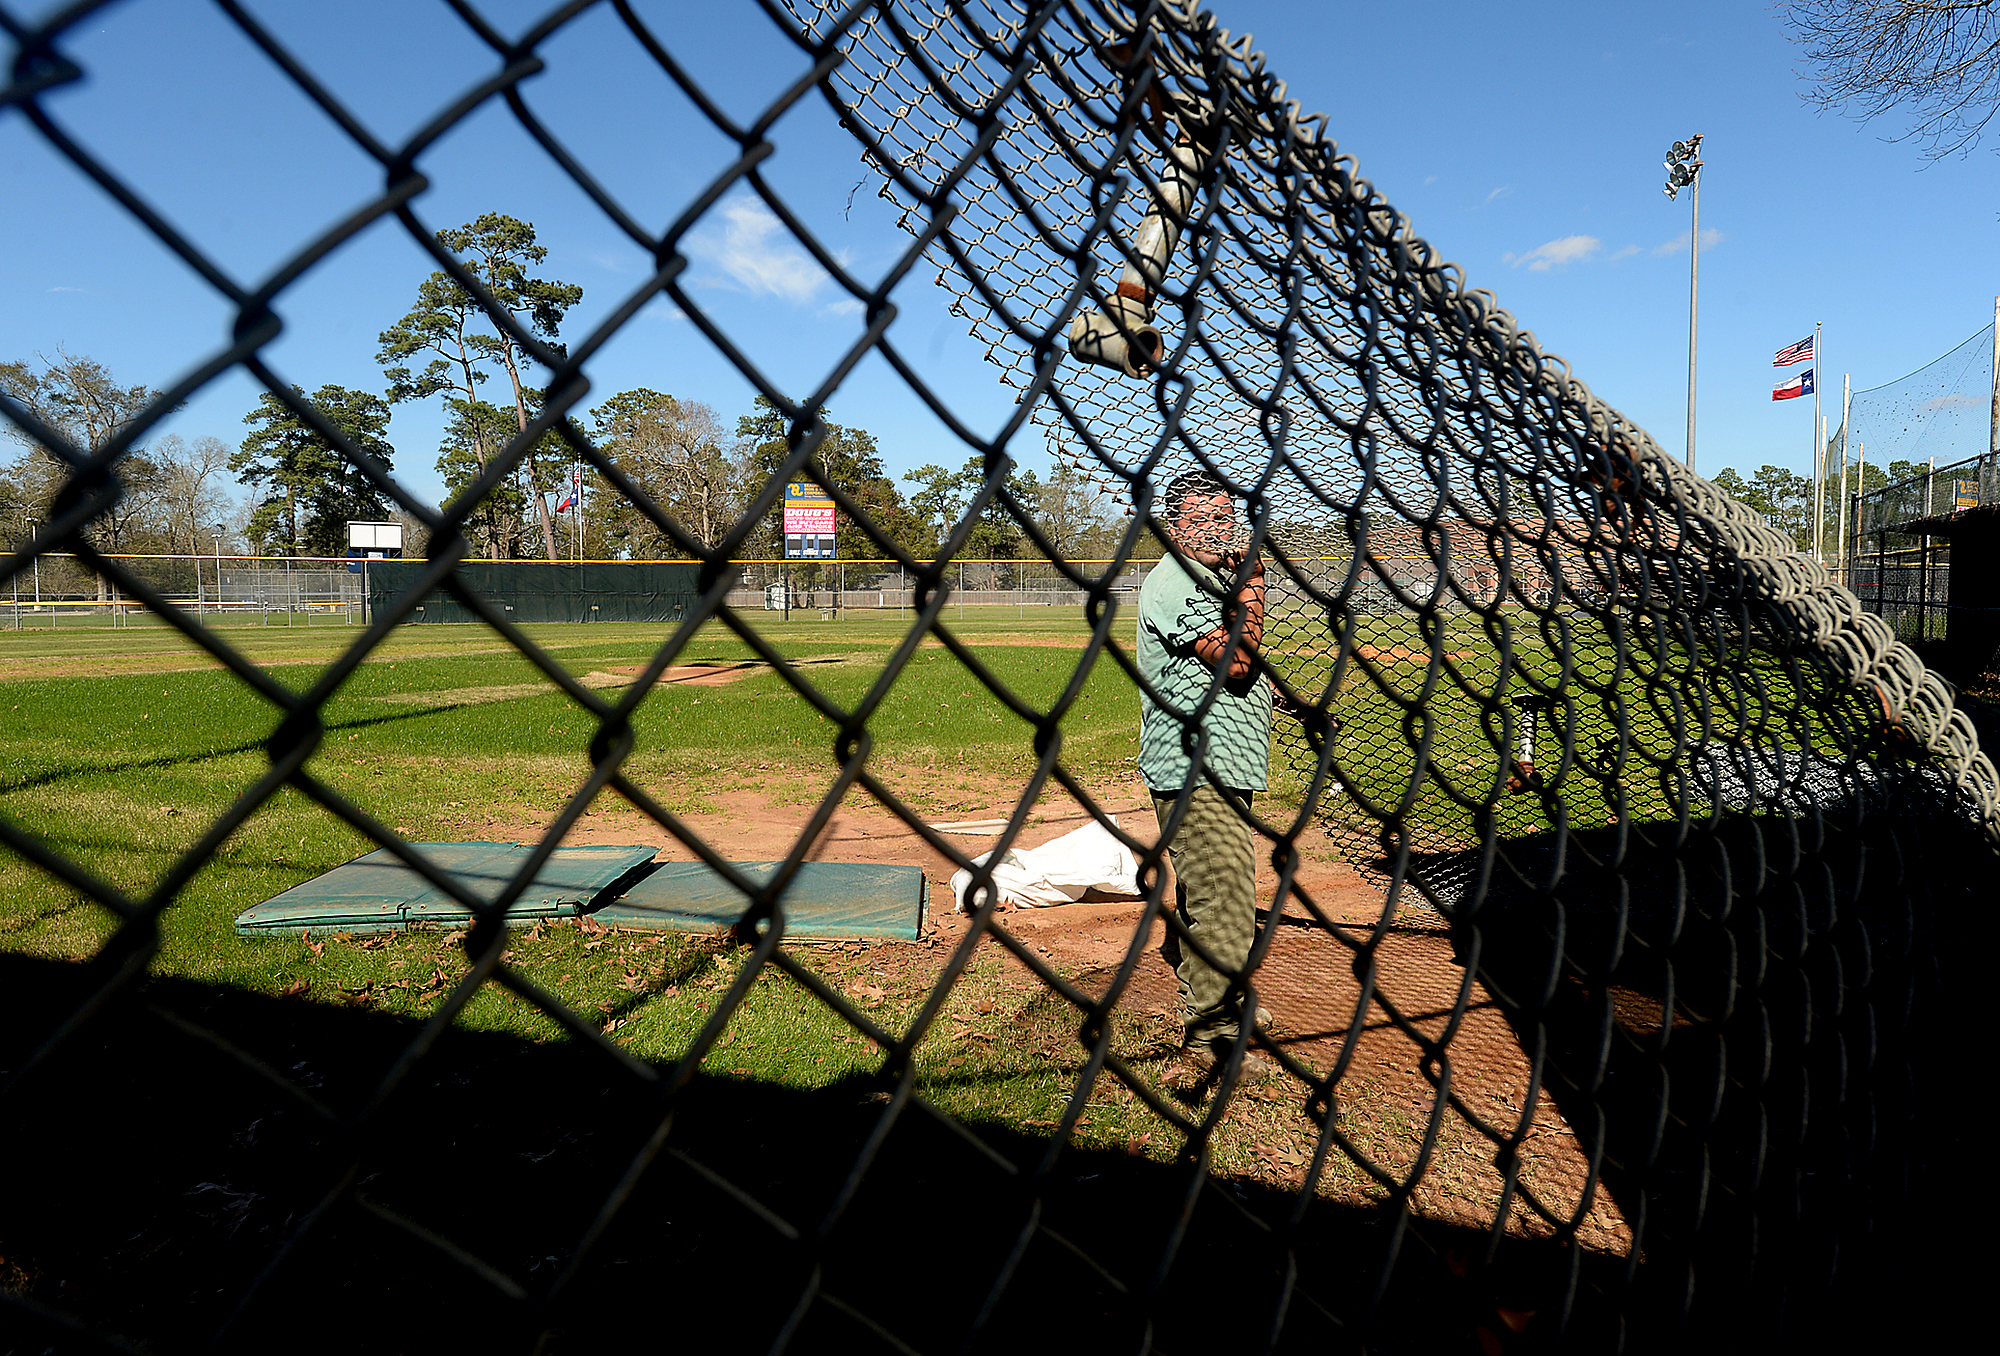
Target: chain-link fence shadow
[1652,1027]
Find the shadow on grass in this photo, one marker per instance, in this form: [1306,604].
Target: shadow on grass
[184,1172]
[136,765]
[155,1176]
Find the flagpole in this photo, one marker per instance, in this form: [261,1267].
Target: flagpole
[1819,501]
[1840,504]
[1819,446]
[1860,498]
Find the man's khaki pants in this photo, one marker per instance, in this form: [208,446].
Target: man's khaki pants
[1215,893]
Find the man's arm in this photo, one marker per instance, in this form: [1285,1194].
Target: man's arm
[1249,602]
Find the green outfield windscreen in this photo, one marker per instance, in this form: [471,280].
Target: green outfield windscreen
[547,591]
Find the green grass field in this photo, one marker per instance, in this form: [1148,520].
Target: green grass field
[1423,740]
[122,746]
[122,753]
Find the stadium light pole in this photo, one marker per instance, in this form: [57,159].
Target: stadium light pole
[1684,171]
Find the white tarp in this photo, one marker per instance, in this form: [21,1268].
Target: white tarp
[1060,871]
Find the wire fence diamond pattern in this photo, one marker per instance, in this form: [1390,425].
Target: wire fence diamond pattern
[1669,793]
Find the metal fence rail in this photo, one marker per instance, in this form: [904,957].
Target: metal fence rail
[1701,836]
[1907,537]
[1900,566]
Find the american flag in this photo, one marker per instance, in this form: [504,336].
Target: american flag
[1797,353]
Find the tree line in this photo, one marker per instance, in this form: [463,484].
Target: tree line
[175,491]
[1785,498]
[446,348]
[177,497]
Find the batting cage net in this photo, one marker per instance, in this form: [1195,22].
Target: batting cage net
[1938,414]
[1651,1030]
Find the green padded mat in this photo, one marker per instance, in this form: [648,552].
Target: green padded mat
[825,899]
[377,893]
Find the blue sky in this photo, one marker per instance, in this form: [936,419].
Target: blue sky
[1524,142]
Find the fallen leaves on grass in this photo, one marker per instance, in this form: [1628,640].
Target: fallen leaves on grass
[1279,1157]
[295,988]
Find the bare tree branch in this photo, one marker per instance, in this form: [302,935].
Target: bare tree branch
[1938,60]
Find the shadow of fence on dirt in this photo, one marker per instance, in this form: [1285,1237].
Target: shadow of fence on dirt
[1770,1089]
[1756,1033]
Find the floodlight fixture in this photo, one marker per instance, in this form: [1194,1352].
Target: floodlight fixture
[1683,165]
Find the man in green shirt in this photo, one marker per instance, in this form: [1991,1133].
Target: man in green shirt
[1209,729]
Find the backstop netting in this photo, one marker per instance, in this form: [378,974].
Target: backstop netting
[1705,843]
[1941,412]
[1929,435]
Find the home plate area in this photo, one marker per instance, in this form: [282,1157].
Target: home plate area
[1310,981]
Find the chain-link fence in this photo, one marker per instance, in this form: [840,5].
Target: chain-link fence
[1023,584]
[1007,584]
[1634,790]
[1906,536]
[59,590]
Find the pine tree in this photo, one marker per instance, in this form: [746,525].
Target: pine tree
[309,490]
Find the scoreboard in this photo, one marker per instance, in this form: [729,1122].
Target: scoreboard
[808,522]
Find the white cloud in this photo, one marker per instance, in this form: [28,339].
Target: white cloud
[1430,178]
[1709,239]
[65,289]
[845,306]
[1956,400]
[1570,249]
[1627,252]
[1500,192]
[756,253]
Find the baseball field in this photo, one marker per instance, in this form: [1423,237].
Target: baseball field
[123,747]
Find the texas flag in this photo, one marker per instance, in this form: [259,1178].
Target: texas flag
[570,498]
[1801,385]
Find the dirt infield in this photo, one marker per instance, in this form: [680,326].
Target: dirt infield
[1309,982]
